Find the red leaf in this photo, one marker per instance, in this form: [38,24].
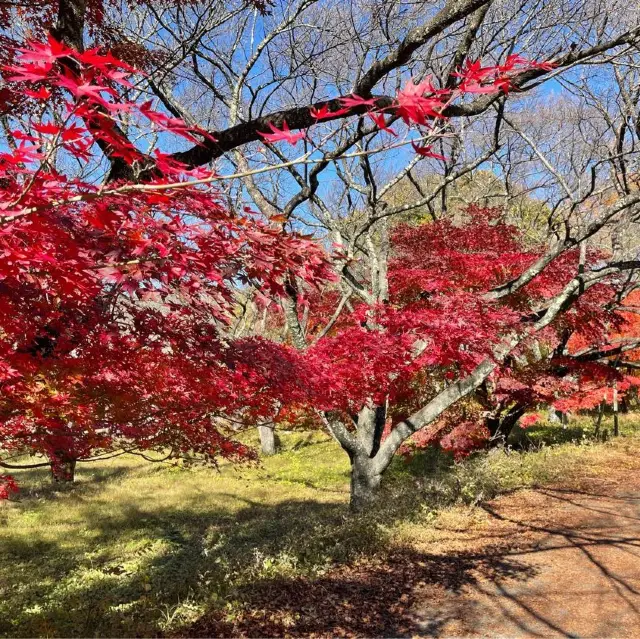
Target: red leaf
[285,134]
[357,101]
[381,123]
[47,128]
[425,151]
[323,112]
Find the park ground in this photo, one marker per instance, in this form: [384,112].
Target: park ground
[538,543]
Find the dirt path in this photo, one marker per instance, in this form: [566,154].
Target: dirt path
[578,575]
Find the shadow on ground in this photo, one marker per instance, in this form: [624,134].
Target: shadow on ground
[187,555]
[583,559]
[574,572]
[373,599]
[256,571]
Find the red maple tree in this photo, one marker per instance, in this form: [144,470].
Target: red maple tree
[114,297]
[378,365]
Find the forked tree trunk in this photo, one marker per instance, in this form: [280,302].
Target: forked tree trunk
[364,483]
[267,440]
[500,427]
[64,471]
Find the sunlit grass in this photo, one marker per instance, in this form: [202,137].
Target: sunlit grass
[132,546]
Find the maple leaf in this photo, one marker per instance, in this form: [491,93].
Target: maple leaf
[283,134]
[104,61]
[545,66]
[41,94]
[414,106]
[48,128]
[44,53]
[425,151]
[28,72]
[119,77]
[20,135]
[82,89]
[72,133]
[22,154]
[173,125]
[356,101]
[323,112]
[515,60]
[380,122]
[473,71]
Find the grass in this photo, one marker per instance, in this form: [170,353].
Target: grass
[138,549]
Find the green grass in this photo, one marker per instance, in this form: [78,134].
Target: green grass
[138,549]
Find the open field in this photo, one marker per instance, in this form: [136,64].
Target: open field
[141,549]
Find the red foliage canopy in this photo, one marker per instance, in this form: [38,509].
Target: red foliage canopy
[114,298]
[439,324]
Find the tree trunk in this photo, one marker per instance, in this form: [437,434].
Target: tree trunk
[624,405]
[290,307]
[364,483]
[70,24]
[501,427]
[616,427]
[596,430]
[267,440]
[63,471]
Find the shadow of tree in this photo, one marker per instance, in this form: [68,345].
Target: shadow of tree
[596,537]
[254,571]
[384,595]
[37,483]
[241,567]
[376,598]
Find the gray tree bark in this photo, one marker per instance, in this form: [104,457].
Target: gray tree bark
[267,440]
[365,482]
